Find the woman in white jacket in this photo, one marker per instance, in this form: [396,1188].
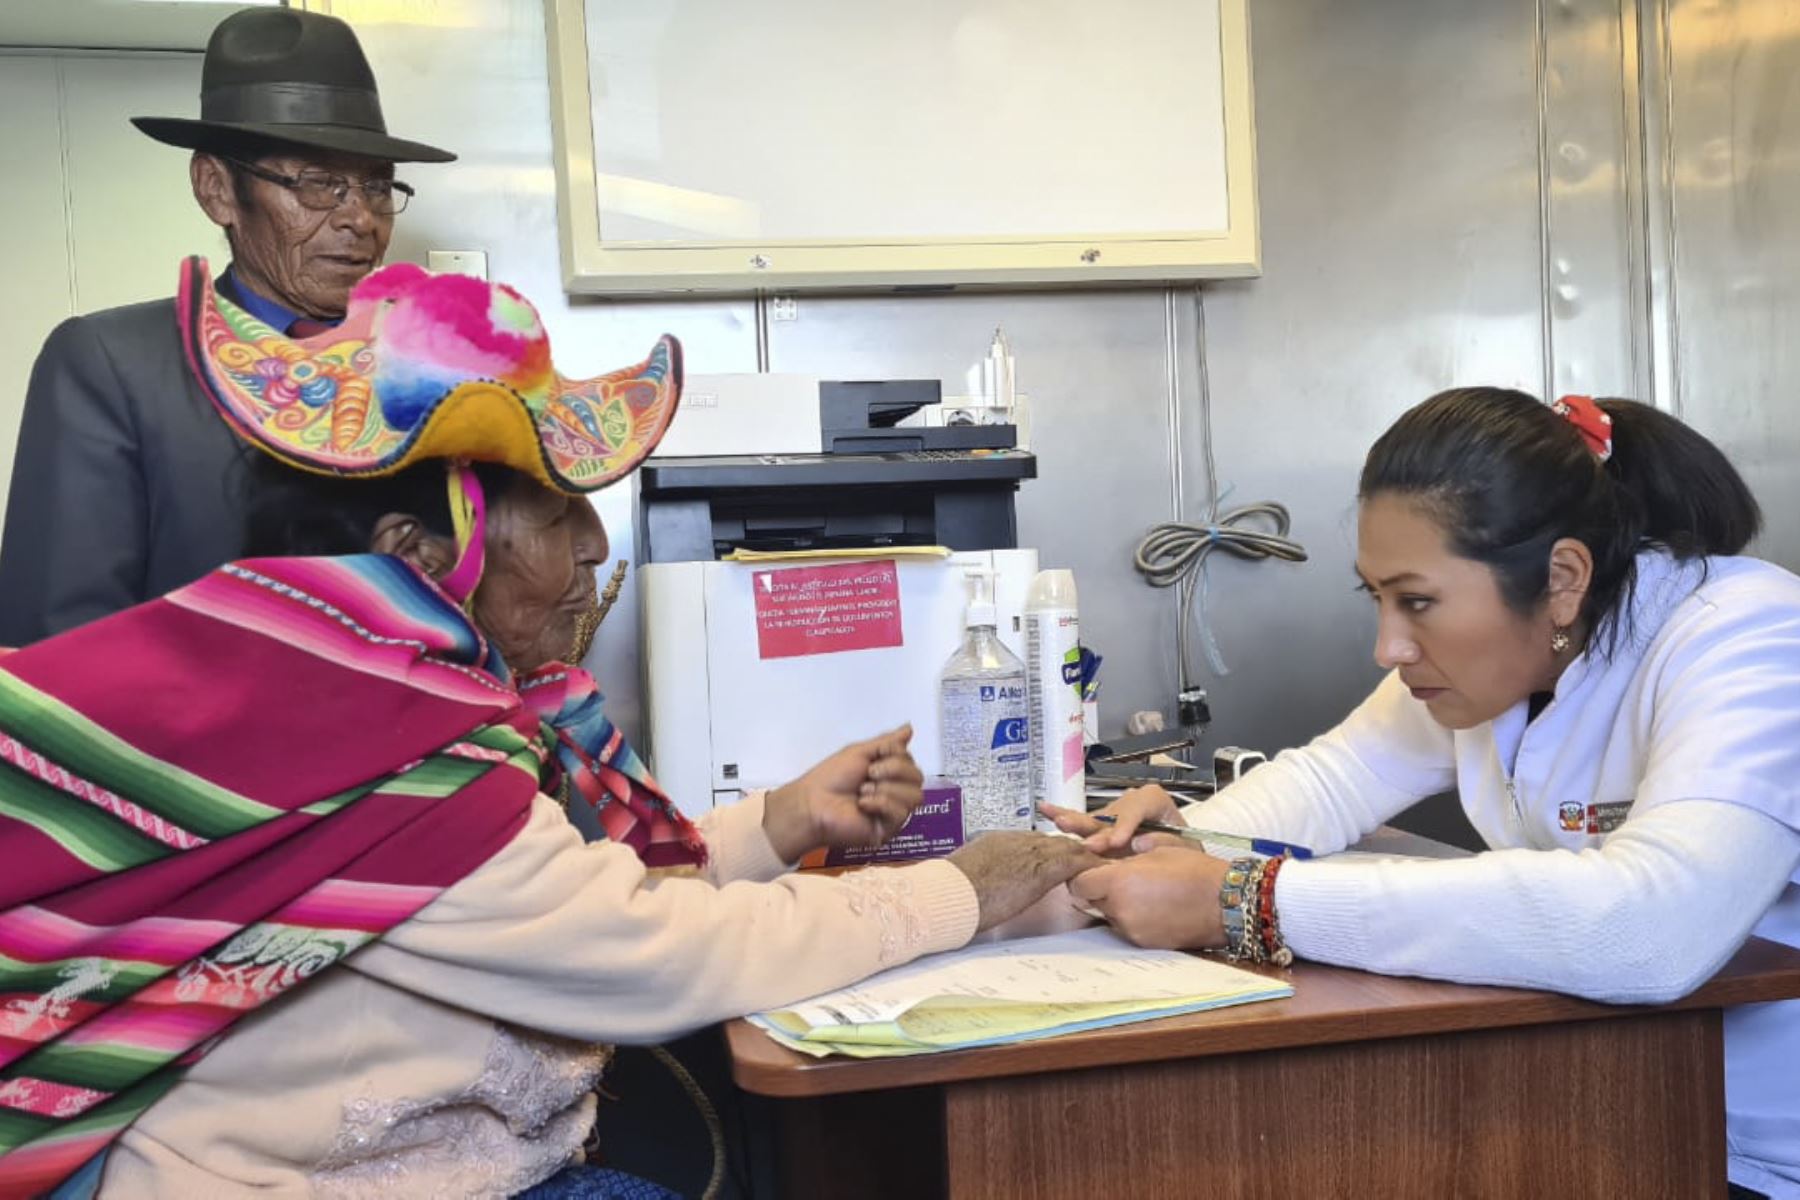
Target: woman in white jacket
[1573,645]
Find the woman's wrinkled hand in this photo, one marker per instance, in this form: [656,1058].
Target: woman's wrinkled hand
[1129,811]
[1011,871]
[1166,898]
[860,796]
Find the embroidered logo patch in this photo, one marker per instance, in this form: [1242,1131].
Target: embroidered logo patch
[1594,818]
[1604,818]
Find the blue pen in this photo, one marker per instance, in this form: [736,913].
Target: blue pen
[1255,845]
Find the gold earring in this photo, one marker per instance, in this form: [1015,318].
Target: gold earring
[1559,641]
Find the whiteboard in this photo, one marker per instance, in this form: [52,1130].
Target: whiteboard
[707,145]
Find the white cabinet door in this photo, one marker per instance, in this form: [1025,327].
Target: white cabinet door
[132,216]
[97,214]
[34,242]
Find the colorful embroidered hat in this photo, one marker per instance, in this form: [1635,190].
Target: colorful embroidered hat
[425,366]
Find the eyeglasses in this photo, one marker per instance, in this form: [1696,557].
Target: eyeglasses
[324,191]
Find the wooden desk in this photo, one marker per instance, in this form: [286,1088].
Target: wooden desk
[1359,1085]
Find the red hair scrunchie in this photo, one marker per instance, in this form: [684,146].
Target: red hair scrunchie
[1594,426]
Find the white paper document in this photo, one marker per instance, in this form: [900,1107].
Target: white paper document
[1086,966]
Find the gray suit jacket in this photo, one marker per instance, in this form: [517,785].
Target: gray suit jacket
[127,482]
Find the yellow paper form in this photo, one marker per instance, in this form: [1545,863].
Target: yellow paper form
[1010,991]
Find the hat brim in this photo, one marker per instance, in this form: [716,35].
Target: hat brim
[191,134]
[321,404]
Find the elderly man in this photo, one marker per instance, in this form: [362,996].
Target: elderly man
[127,482]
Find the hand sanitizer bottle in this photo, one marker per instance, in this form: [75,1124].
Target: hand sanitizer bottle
[987,739]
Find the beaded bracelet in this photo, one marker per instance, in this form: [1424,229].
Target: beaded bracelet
[1277,950]
[1247,909]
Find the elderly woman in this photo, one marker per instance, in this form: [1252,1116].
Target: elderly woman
[340,783]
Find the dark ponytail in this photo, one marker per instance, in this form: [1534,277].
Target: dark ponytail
[1506,478]
[1691,499]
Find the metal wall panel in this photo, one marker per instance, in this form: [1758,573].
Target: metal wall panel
[1734,146]
[1590,172]
[1398,156]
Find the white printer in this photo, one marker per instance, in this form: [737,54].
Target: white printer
[755,670]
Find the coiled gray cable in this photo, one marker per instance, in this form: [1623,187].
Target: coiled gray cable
[1174,554]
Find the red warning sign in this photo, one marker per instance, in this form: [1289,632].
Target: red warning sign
[825,610]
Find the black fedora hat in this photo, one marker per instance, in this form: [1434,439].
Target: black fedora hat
[293,78]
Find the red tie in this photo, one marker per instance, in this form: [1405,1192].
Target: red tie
[305,327]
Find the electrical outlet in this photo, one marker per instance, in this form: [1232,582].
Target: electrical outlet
[785,308]
[458,262]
